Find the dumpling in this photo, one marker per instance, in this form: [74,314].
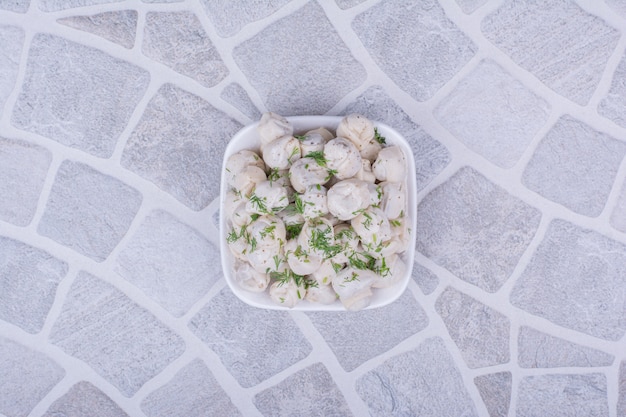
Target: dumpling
[305,172]
[390,165]
[250,279]
[273,126]
[246,180]
[360,130]
[393,201]
[288,293]
[353,286]
[267,198]
[314,202]
[282,152]
[323,294]
[240,160]
[301,260]
[372,226]
[391,270]
[313,142]
[346,199]
[342,158]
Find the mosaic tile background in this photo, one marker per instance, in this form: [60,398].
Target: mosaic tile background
[114,116]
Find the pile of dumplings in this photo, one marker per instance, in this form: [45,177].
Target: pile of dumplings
[317,216]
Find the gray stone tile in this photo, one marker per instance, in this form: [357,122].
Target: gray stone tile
[423,382]
[228,17]
[575,166]
[621,386]
[238,97]
[613,106]
[253,344]
[84,399]
[576,280]
[618,215]
[18,6]
[121,341]
[558,42]
[415,44]
[56,5]
[431,157]
[171,262]
[192,392]
[63,81]
[495,390]
[346,4]
[563,396]
[118,26]
[11,43]
[470,6]
[480,332]
[618,5]
[540,350]
[360,336]
[309,392]
[23,170]
[299,64]
[493,114]
[178,40]
[28,282]
[88,211]
[475,229]
[27,376]
[425,279]
[179,145]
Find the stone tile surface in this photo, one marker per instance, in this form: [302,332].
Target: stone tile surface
[11,41]
[84,399]
[425,279]
[27,376]
[561,44]
[613,105]
[58,104]
[480,332]
[540,350]
[121,341]
[179,145]
[495,390]
[178,40]
[586,271]
[192,392]
[415,44]
[23,170]
[236,95]
[88,211]
[169,261]
[359,337]
[303,40]
[18,6]
[424,381]
[477,112]
[26,271]
[311,391]
[618,214]
[563,395]
[431,157]
[118,26]
[115,115]
[582,163]
[229,17]
[475,229]
[253,344]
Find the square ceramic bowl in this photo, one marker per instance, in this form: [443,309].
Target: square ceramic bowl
[248,138]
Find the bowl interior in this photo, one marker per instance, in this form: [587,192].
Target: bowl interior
[247,138]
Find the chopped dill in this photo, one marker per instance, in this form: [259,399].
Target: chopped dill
[259,202]
[300,137]
[379,138]
[318,156]
[293,230]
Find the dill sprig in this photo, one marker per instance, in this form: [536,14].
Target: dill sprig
[293,230]
[259,202]
[320,241]
[318,156]
[379,138]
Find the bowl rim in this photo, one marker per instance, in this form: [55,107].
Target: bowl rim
[382,296]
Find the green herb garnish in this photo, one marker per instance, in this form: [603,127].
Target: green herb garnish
[380,139]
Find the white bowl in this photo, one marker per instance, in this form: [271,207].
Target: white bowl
[248,138]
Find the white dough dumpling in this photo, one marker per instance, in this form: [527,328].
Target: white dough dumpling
[317,215]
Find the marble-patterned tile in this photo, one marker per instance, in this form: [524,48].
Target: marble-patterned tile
[11,45]
[120,340]
[575,166]
[63,80]
[415,44]
[495,390]
[84,399]
[235,94]
[117,26]
[613,105]
[229,17]
[576,280]
[88,211]
[475,229]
